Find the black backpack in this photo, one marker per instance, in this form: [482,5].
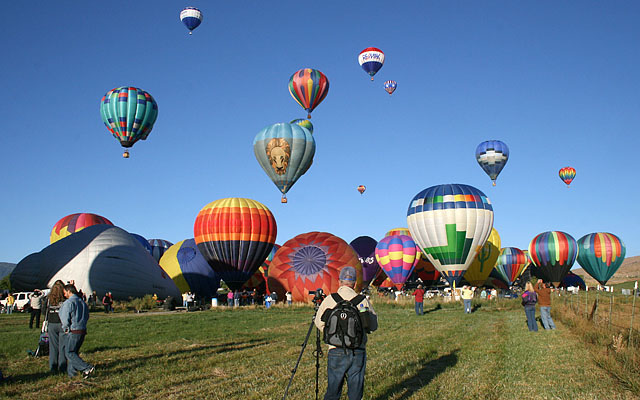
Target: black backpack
[343,325]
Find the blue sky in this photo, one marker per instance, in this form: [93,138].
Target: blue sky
[557,81]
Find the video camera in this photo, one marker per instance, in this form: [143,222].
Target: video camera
[318,296]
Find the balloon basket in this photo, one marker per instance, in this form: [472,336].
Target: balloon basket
[125,154]
[309,116]
[372,79]
[494,183]
[283,200]
[190,33]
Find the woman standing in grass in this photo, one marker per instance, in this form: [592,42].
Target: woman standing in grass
[529,300]
[57,359]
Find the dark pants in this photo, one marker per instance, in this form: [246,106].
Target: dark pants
[530,312]
[72,344]
[57,359]
[35,313]
[419,308]
[352,366]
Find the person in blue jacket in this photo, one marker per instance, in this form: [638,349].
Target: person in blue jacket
[74,315]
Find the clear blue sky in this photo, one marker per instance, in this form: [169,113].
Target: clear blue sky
[557,81]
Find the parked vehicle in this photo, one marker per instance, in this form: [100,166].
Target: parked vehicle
[22,299]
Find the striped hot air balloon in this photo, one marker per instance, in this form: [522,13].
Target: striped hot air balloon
[235,236]
[159,247]
[450,223]
[481,267]
[390,86]
[308,87]
[397,256]
[371,60]
[189,270]
[74,223]
[191,17]
[601,254]
[305,123]
[554,253]
[510,265]
[492,156]
[567,174]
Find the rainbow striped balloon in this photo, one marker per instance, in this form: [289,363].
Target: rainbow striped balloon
[567,174]
[235,236]
[511,263]
[308,87]
[601,254]
[554,252]
[75,223]
[398,231]
[397,256]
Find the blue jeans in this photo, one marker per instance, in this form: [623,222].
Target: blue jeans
[530,312]
[351,365]
[467,305]
[72,343]
[545,316]
[419,308]
[57,359]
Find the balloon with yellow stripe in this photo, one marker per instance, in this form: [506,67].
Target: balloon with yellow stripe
[189,270]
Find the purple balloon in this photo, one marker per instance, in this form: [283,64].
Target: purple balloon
[365,247]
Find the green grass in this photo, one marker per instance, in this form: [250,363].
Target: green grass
[248,353]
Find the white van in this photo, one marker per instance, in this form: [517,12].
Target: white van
[22,299]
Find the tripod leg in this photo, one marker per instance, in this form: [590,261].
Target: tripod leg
[293,371]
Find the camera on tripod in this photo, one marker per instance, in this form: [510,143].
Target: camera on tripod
[318,296]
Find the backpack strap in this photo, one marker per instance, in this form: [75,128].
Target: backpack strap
[336,297]
[357,300]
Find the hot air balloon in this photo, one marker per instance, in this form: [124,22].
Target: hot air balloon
[305,123]
[235,236]
[390,86]
[554,253]
[397,256]
[158,247]
[427,273]
[143,241]
[189,270]
[371,60]
[285,152]
[312,261]
[450,223]
[492,156]
[573,280]
[191,17]
[510,264]
[308,87]
[380,277]
[601,254]
[74,223]
[365,248]
[481,267]
[129,114]
[567,174]
[362,188]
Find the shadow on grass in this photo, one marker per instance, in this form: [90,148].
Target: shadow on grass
[436,308]
[476,308]
[221,348]
[106,348]
[428,370]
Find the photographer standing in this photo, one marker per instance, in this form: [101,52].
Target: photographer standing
[35,302]
[344,361]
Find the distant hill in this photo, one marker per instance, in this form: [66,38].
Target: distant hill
[628,271]
[6,268]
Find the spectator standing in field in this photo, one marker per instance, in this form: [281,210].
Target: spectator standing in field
[236,298]
[93,299]
[57,359]
[289,297]
[342,362]
[184,299]
[229,298]
[35,302]
[419,297]
[10,303]
[274,298]
[494,293]
[483,294]
[544,300]
[107,302]
[529,300]
[74,315]
[267,301]
[467,294]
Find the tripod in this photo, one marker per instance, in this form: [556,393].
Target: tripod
[317,353]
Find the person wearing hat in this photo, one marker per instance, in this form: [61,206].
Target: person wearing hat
[419,294]
[346,363]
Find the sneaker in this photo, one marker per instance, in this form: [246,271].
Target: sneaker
[87,372]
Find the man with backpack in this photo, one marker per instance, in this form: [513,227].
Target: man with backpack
[345,318]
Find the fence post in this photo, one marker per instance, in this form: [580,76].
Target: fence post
[610,308]
[586,303]
[633,309]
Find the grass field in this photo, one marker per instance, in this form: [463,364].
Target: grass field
[248,353]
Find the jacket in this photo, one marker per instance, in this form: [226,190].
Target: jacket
[544,295]
[35,301]
[346,293]
[74,314]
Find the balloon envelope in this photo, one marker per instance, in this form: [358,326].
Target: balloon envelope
[305,123]
[398,231]
[397,256]
[371,60]
[235,236]
[189,270]
[510,264]
[567,174]
[75,223]
[365,248]
[260,277]
[158,247]
[308,87]
[481,267]
[285,152]
[554,252]
[361,189]
[601,254]
[492,156]
[129,114]
[390,86]
[427,273]
[191,17]
[450,223]
[312,261]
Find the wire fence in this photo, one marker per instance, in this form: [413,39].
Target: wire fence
[614,311]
